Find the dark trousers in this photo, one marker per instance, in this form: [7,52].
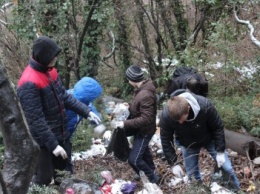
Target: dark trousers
[69,166]
[140,157]
[47,164]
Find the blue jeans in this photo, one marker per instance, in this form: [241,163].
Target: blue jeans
[140,157]
[191,162]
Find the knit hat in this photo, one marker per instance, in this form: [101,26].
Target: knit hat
[134,73]
[44,50]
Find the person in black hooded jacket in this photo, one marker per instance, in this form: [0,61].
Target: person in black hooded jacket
[44,102]
[194,121]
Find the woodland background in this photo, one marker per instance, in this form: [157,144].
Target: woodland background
[101,38]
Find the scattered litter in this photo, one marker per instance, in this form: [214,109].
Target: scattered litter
[106,189]
[116,186]
[99,130]
[95,149]
[120,112]
[107,176]
[128,188]
[149,188]
[156,141]
[217,189]
[177,171]
[69,191]
[106,137]
[256,160]
[251,188]
[175,181]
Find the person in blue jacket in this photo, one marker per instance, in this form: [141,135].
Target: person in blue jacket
[86,91]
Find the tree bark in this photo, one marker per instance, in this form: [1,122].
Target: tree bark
[122,39]
[168,23]
[21,150]
[93,6]
[142,27]
[242,144]
[182,24]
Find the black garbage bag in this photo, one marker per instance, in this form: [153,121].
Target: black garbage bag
[119,145]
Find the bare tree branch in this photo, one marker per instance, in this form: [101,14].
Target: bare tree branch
[113,47]
[250,26]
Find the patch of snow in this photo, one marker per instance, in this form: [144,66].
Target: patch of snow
[96,149]
[217,65]
[247,71]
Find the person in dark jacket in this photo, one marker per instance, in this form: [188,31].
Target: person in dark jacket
[141,122]
[86,90]
[195,122]
[44,102]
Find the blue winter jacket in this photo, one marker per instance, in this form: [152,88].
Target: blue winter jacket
[85,90]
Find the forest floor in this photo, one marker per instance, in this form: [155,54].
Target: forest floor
[85,169]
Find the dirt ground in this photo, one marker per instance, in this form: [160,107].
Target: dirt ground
[89,170]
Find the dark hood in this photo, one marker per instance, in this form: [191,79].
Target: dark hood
[44,50]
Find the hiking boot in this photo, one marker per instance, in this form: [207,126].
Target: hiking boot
[156,179]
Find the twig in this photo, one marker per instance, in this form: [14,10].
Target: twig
[113,47]
[250,164]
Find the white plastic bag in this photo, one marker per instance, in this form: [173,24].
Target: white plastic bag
[121,112]
[150,188]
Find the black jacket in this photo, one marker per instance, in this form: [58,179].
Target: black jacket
[206,127]
[44,99]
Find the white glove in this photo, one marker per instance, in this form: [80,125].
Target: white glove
[177,171]
[120,124]
[220,159]
[94,117]
[59,151]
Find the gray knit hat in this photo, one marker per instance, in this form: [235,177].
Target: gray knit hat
[134,73]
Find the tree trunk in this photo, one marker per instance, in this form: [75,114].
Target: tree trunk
[93,6]
[142,27]
[122,32]
[122,42]
[168,23]
[21,150]
[182,24]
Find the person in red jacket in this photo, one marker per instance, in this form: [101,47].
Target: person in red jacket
[141,122]
[44,101]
